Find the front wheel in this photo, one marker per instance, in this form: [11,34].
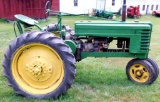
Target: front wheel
[140,71]
[39,65]
[155,66]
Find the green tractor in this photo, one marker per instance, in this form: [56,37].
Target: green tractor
[105,14]
[40,64]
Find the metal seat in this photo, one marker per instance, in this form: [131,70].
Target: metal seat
[26,20]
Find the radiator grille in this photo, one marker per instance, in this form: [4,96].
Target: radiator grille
[145,39]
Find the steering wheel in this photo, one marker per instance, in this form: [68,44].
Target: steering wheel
[46,10]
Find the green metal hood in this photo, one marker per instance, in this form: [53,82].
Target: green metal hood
[110,29]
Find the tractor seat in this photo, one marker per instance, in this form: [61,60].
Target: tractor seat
[25,20]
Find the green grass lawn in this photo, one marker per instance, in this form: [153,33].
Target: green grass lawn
[97,79]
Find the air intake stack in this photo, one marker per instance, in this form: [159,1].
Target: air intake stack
[124,11]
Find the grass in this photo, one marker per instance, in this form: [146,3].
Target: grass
[97,79]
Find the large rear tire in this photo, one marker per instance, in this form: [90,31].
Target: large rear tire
[39,65]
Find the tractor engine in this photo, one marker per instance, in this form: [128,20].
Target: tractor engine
[96,44]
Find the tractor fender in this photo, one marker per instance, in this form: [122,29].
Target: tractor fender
[72,45]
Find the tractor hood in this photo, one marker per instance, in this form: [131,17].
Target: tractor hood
[110,29]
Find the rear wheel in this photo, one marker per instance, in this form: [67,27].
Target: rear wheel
[140,71]
[39,65]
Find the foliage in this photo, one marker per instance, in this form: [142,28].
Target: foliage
[3,20]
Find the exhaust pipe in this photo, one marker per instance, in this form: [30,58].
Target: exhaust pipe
[124,11]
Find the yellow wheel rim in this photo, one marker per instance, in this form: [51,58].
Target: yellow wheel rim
[37,68]
[139,73]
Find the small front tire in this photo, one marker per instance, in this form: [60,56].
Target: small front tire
[140,71]
[155,66]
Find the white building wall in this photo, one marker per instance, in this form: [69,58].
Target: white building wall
[100,4]
[147,3]
[113,8]
[84,6]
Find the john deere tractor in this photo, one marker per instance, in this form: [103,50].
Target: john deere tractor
[40,64]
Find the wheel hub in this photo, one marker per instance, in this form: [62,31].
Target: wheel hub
[139,73]
[39,69]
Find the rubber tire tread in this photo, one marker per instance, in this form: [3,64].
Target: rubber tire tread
[147,65]
[54,42]
[155,66]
